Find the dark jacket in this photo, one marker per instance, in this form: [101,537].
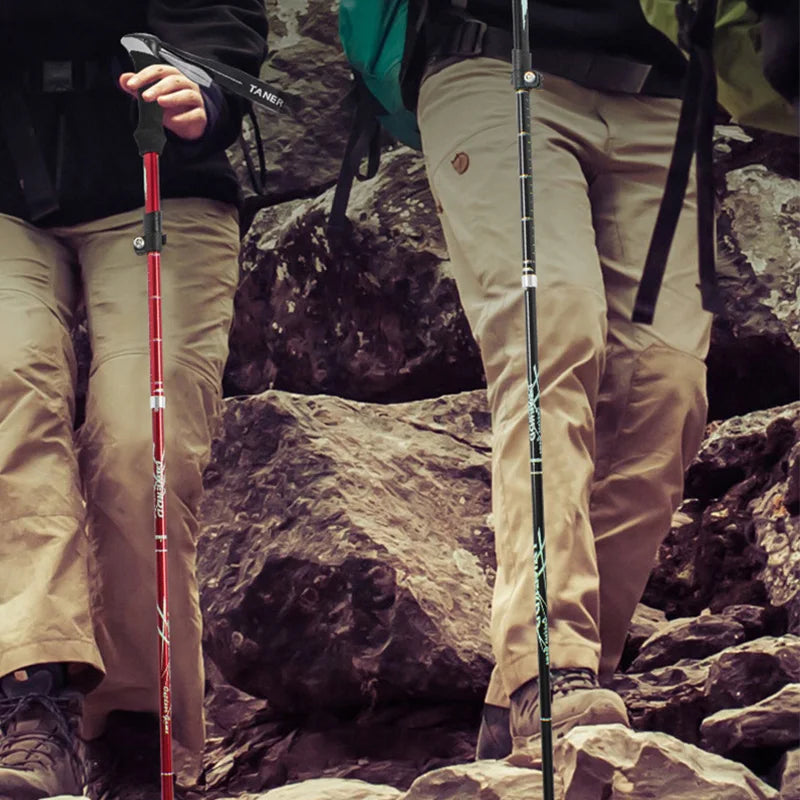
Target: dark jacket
[611,27]
[85,135]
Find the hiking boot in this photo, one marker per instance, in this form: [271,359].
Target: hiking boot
[494,735]
[40,751]
[577,700]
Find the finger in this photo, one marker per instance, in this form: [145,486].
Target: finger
[152,73]
[188,124]
[184,98]
[123,82]
[168,85]
[190,117]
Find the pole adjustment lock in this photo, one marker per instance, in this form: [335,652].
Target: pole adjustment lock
[153,239]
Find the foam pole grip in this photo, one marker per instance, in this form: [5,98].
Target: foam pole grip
[149,133]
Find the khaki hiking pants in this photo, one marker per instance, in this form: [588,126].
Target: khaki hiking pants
[51,541]
[623,405]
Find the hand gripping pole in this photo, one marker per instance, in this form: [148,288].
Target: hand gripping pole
[204,72]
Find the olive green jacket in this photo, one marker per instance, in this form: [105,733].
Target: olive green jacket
[742,88]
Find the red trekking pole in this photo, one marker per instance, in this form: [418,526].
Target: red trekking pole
[144,50]
[150,138]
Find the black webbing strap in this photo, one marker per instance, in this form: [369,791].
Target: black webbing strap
[694,135]
[705,172]
[34,179]
[259,179]
[364,140]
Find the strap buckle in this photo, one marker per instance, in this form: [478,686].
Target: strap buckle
[467,39]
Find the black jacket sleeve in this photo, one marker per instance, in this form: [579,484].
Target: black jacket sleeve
[233,33]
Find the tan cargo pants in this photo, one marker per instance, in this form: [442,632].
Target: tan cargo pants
[72,506]
[623,405]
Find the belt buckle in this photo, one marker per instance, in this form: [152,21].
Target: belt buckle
[469,41]
[615,74]
[57,76]
[641,72]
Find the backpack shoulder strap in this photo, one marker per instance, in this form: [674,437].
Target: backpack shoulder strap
[364,140]
[15,123]
[694,135]
[259,179]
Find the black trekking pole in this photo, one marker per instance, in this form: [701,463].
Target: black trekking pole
[525,78]
[145,50]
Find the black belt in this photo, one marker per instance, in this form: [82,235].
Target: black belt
[468,38]
[74,75]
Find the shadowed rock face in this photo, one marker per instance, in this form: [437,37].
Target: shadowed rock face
[772,722]
[737,540]
[370,314]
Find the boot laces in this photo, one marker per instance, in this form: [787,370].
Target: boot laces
[34,748]
[568,680]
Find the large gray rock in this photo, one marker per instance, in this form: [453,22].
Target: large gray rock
[346,558]
[763,210]
[327,789]
[615,763]
[482,780]
[371,314]
[771,723]
[753,362]
[687,638]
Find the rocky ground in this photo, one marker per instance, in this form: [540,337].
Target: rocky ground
[346,554]
[347,572]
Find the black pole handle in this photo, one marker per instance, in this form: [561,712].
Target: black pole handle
[149,133]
